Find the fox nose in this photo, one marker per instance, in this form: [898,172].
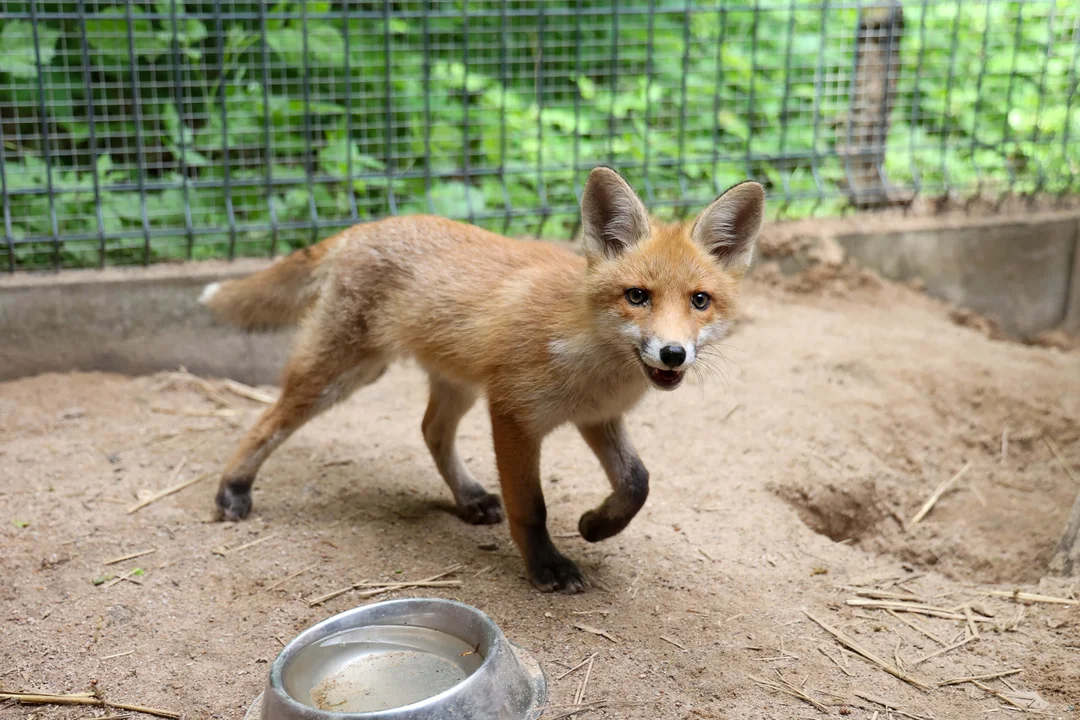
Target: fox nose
[672,355]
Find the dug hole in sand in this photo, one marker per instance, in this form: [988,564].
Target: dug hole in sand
[776,546]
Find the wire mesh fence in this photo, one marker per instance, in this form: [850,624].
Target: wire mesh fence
[134,132]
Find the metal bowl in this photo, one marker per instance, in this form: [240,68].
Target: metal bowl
[415,659]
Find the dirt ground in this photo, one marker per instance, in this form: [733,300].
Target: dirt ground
[781,483]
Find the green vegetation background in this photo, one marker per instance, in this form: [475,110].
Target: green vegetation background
[516,100]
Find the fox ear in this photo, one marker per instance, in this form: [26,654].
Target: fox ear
[612,216]
[730,225]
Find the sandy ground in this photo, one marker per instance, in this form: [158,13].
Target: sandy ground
[780,483]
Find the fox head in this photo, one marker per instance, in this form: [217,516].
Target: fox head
[663,293]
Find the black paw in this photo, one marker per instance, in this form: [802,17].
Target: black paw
[594,526]
[557,574]
[234,501]
[485,509]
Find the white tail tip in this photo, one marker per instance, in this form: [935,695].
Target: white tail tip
[209,292]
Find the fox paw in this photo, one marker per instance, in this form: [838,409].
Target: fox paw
[558,574]
[485,509]
[234,502]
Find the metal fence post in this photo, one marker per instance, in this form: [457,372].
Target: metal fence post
[873,94]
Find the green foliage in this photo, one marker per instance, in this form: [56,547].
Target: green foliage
[275,115]
[19,58]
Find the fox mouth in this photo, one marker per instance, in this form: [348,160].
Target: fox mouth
[664,379]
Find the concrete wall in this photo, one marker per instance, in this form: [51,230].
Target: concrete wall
[1021,273]
[1024,272]
[1071,323]
[129,321]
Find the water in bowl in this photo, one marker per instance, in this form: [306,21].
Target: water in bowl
[378,668]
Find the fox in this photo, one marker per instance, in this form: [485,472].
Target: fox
[547,335]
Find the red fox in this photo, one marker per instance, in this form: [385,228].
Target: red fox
[548,336]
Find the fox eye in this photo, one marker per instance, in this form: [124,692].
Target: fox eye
[636,296]
[700,300]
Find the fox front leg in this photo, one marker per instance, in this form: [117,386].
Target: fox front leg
[628,477]
[517,454]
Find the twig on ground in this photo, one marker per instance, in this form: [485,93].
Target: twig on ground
[121,578]
[588,707]
[884,594]
[889,706]
[595,631]
[576,667]
[584,681]
[973,629]
[118,655]
[1018,596]
[168,491]
[788,689]
[676,643]
[947,648]
[223,551]
[83,699]
[131,556]
[916,628]
[973,678]
[860,650]
[388,587]
[296,574]
[836,662]
[1000,696]
[936,495]
[248,392]
[918,608]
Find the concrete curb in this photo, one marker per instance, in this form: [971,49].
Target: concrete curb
[1023,271]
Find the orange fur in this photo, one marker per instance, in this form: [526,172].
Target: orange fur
[548,336]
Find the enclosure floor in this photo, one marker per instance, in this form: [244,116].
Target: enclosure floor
[776,482]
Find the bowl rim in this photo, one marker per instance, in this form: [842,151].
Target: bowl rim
[321,630]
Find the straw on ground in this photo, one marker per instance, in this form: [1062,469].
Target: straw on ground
[855,647]
[83,699]
[379,588]
[936,495]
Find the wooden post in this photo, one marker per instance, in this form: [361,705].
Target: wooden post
[1066,560]
[873,94]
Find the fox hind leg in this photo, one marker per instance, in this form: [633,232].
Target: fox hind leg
[447,405]
[325,368]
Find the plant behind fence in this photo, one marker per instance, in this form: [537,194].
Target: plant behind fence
[143,131]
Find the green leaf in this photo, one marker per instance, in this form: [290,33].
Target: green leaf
[18,57]
[325,45]
[124,205]
[20,523]
[166,208]
[188,30]
[107,32]
[732,123]
[455,199]
[179,132]
[586,87]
